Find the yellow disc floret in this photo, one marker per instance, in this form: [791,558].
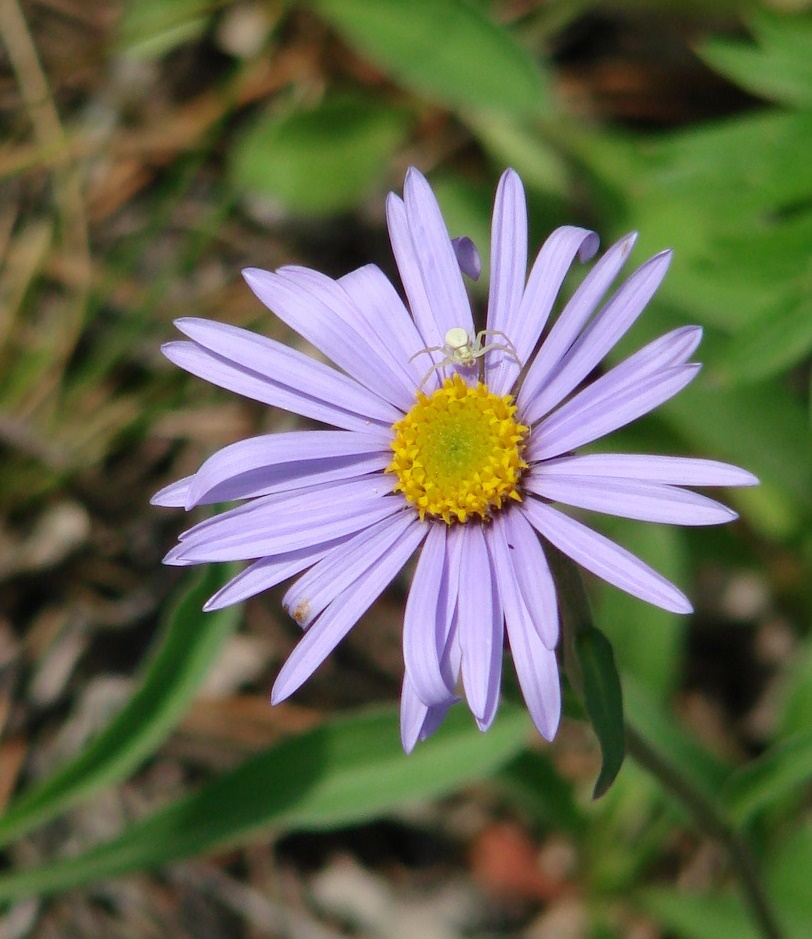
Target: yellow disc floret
[458,452]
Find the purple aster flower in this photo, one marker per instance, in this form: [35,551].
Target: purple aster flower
[447,442]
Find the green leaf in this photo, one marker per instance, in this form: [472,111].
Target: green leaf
[589,666]
[778,66]
[655,722]
[757,426]
[341,772]
[188,646]
[604,702]
[647,642]
[534,783]
[753,283]
[698,915]
[321,161]
[526,148]
[742,281]
[466,209]
[780,771]
[787,879]
[776,341]
[722,914]
[449,50]
[797,698]
[688,187]
[734,168]
[150,28]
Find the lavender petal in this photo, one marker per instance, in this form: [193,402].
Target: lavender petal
[604,558]
[572,427]
[405,253]
[672,470]
[467,257]
[601,335]
[647,502]
[669,351]
[574,317]
[427,623]
[286,461]
[437,263]
[537,669]
[369,305]
[342,614]
[546,276]
[316,589]
[513,535]
[319,310]
[535,664]
[386,318]
[417,720]
[174,495]
[271,524]
[508,269]
[480,627]
[266,573]
[274,374]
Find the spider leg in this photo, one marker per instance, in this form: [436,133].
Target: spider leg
[491,346]
[435,368]
[427,349]
[508,347]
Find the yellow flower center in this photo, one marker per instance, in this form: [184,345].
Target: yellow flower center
[458,452]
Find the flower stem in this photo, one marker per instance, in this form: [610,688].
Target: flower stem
[707,816]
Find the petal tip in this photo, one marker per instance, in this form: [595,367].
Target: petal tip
[168,498]
[413,174]
[255,275]
[626,243]
[175,557]
[215,602]
[467,257]
[589,247]
[549,729]
[188,325]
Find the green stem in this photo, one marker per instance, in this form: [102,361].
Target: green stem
[709,820]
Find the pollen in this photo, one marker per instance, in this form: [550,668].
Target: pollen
[458,452]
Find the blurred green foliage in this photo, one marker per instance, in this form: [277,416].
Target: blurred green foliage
[283,158]
[733,196]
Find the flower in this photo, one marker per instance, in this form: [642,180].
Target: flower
[445,441]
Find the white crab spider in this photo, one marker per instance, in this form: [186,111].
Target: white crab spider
[463,349]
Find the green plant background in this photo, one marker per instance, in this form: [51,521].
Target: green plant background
[150,149]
